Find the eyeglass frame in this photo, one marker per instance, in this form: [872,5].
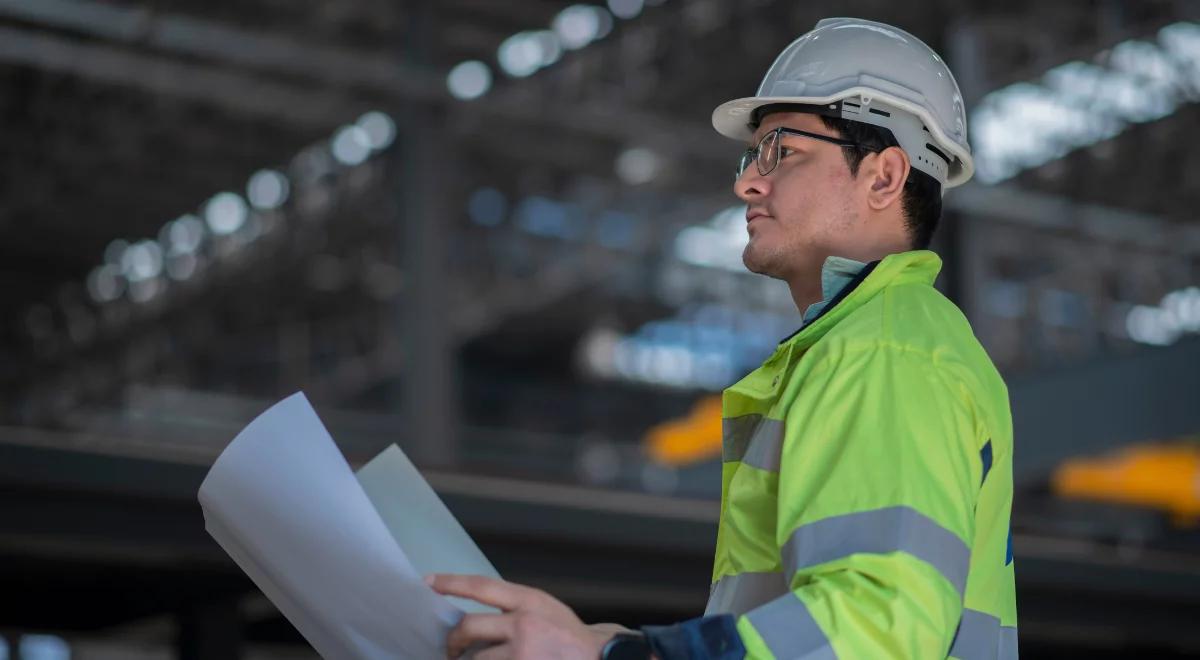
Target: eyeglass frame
[755,152]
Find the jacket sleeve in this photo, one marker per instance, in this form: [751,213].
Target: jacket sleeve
[879,475]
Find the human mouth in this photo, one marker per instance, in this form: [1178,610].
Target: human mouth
[751,216]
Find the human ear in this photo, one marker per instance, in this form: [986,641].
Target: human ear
[887,173]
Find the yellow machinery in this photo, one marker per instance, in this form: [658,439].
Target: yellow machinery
[690,439]
[1160,475]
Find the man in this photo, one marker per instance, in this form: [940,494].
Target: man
[867,481]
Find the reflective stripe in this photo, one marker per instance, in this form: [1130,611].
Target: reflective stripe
[789,631]
[1007,648]
[738,594]
[880,531]
[752,439]
[981,637]
[735,436]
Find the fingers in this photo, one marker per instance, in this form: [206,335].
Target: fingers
[476,628]
[489,591]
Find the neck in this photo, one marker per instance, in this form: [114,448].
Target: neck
[806,284]
[806,287]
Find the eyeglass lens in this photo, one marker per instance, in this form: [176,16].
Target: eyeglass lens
[765,155]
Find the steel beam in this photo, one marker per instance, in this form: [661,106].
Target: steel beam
[201,83]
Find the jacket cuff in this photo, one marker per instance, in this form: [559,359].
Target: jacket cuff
[713,637]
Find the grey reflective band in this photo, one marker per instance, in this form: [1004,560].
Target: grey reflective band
[789,631]
[738,594]
[1007,649]
[879,531]
[752,439]
[735,436]
[981,637]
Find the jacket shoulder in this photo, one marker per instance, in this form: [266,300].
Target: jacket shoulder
[917,320]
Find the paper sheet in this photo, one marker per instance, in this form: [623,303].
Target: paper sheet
[283,502]
[432,539]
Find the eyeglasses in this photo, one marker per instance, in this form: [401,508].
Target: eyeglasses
[766,155]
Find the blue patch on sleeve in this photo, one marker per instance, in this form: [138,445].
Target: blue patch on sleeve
[1008,557]
[713,637]
[985,455]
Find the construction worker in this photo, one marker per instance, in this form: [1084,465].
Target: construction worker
[867,481]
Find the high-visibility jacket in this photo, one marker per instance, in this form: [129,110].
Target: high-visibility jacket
[867,483]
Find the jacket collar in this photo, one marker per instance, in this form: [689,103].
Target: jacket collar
[836,273]
[919,266]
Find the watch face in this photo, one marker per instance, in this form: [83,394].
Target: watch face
[626,647]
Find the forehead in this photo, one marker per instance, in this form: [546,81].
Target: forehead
[799,120]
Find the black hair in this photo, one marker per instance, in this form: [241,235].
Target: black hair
[922,200]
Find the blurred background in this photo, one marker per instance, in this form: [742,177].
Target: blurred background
[502,235]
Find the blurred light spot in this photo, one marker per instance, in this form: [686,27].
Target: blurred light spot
[1176,314]
[142,261]
[1005,299]
[380,129]
[487,207]
[115,250]
[525,52]
[718,244]
[519,55]
[615,229]
[596,351]
[43,647]
[1146,325]
[1065,309]
[578,25]
[182,265]
[311,164]
[184,234]
[606,22]
[350,145]
[625,9]
[267,189]
[703,347]
[1183,306]
[469,80]
[105,284]
[1079,104]
[546,217]
[225,213]
[638,165]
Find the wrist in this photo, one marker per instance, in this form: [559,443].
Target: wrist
[627,646]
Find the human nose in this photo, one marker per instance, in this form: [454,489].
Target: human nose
[751,185]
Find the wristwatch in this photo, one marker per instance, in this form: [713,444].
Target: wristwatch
[626,646]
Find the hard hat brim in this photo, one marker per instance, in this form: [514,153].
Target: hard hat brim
[732,119]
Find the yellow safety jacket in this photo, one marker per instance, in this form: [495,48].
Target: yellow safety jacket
[867,484]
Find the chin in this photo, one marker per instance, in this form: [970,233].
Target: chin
[758,263]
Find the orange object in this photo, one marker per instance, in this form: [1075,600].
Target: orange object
[690,439]
[1162,475]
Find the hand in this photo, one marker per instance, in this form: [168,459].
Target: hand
[609,630]
[532,624]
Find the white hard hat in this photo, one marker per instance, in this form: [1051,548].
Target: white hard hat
[873,73]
